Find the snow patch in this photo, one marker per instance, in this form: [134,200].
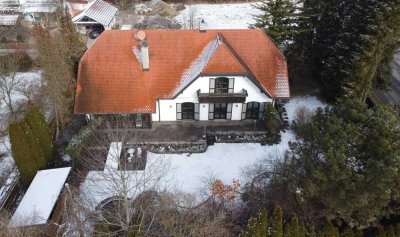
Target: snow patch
[221,16]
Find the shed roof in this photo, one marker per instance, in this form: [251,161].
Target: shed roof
[38,202]
[8,20]
[98,10]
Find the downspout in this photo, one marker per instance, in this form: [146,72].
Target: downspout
[159,112]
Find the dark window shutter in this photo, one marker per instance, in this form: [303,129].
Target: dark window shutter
[178,111]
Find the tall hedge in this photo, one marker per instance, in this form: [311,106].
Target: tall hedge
[31,144]
[37,124]
[22,153]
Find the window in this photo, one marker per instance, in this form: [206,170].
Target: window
[220,110]
[252,110]
[221,85]
[188,111]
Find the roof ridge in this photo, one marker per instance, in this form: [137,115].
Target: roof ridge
[233,51]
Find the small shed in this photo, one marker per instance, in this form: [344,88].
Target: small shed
[97,13]
[41,202]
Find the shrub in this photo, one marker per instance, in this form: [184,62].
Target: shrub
[271,119]
[25,63]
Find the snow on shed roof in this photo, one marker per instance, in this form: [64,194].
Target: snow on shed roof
[8,20]
[38,202]
[99,11]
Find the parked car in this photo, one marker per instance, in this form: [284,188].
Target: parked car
[94,34]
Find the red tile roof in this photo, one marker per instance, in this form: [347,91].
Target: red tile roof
[111,80]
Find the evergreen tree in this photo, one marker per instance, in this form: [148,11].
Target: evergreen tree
[340,154]
[278,20]
[381,232]
[348,232]
[21,153]
[277,222]
[302,229]
[288,230]
[36,152]
[73,46]
[295,228]
[359,233]
[312,232]
[58,75]
[38,126]
[390,232]
[257,227]
[349,44]
[380,37]
[330,231]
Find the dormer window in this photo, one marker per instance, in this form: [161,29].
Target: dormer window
[221,85]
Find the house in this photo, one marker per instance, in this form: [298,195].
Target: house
[9,6]
[96,14]
[41,204]
[175,75]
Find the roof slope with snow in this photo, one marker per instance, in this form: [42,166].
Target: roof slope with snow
[38,202]
[98,10]
[111,80]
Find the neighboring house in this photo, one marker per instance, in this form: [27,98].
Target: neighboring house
[40,6]
[42,203]
[174,75]
[97,14]
[9,6]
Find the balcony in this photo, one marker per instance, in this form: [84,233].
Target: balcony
[239,97]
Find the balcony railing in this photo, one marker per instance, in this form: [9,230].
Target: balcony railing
[238,97]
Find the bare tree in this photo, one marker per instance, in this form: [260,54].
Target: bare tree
[7,231]
[125,193]
[189,19]
[9,81]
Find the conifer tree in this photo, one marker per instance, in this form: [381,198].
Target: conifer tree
[390,232]
[288,230]
[312,232]
[348,232]
[21,152]
[72,44]
[38,126]
[278,20]
[58,75]
[381,232]
[37,152]
[302,229]
[277,222]
[294,226]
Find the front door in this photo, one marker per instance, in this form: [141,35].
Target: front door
[220,110]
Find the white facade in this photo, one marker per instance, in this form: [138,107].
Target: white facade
[168,109]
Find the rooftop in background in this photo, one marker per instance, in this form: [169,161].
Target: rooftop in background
[8,20]
[111,79]
[38,202]
[99,11]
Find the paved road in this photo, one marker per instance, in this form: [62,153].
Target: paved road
[392,96]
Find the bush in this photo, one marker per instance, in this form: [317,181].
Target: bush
[25,63]
[31,144]
[271,119]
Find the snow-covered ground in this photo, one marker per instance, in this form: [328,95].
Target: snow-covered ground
[220,16]
[26,79]
[192,173]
